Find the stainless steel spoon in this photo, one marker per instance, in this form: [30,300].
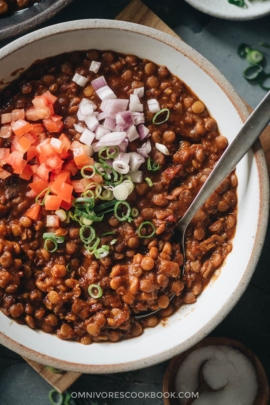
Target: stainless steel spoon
[245,138]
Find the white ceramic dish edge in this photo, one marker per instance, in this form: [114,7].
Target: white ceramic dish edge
[259,237]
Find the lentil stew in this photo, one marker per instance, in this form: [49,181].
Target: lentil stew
[77,258]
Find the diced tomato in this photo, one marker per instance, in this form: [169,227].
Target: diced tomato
[63,177]
[20,127]
[53,126]
[38,113]
[5,118]
[63,138]
[38,185]
[45,149]
[33,212]
[51,99]
[4,173]
[80,185]
[21,144]
[65,205]
[5,131]
[57,145]
[37,129]
[31,153]
[32,138]
[16,161]
[34,168]
[54,162]
[27,173]
[43,172]
[4,154]
[65,192]
[71,167]
[40,101]
[18,114]
[52,203]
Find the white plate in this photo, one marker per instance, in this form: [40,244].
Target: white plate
[223,9]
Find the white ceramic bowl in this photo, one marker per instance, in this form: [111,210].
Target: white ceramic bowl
[191,323]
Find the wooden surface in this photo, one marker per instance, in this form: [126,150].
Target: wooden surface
[138,13]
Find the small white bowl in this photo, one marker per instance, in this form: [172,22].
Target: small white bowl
[193,322]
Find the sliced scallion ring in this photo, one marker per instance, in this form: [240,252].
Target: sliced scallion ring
[91,291]
[134,212]
[102,252]
[144,225]
[264,81]
[104,206]
[124,216]
[87,230]
[93,245]
[161,116]
[255,57]
[152,166]
[148,181]
[68,268]
[252,72]
[55,370]
[238,3]
[87,169]
[89,201]
[55,397]
[111,152]
[243,49]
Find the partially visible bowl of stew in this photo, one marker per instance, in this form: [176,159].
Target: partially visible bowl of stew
[19,16]
[103,148]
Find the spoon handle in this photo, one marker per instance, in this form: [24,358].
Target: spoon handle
[245,138]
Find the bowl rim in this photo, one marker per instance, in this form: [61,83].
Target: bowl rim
[238,104]
[16,28]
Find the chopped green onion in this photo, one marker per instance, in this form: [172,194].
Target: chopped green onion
[152,166]
[88,168]
[87,229]
[165,112]
[55,370]
[124,217]
[51,238]
[255,57]
[59,239]
[67,399]
[111,152]
[264,81]
[106,195]
[264,44]
[239,3]
[144,224]
[68,268]
[90,215]
[148,181]
[62,215]
[113,242]
[79,202]
[243,49]
[88,193]
[102,252]
[105,206]
[108,233]
[91,292]
[43,194]
[134,212]
[252,72]
[55,397]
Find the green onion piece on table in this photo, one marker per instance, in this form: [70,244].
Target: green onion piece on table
[239,3]
[243,50]
[55,370]
[255,57]
[264,81]
[265,44]
[92,293]
[143,226]
[56,398]
[161,116]
[252,72]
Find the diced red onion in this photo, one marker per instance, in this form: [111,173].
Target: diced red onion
[98,83]
[80,80]
[101,131]
[78,128]
[124,119]
[143,131]
[101,116]
[129,184]
[86,101]
[112,139]
[136,176]
[91,122]
[5,131]
[138,118]
[139,91]
[132,133]
[80,116]
[121,167]
[86,109]
[87,137]
[109,123]
[134,103]
[94,66]
[124,157]
[145,149]
[5,118]
[162,148]
[61,214]
[153,105]
[123,145]
[135,161]
[105,93]
[112,107]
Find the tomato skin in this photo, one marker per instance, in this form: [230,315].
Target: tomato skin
[52,202]
[33,212]
[54,162]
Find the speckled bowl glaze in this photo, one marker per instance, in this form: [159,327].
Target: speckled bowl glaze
[191,323]
[28,18]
